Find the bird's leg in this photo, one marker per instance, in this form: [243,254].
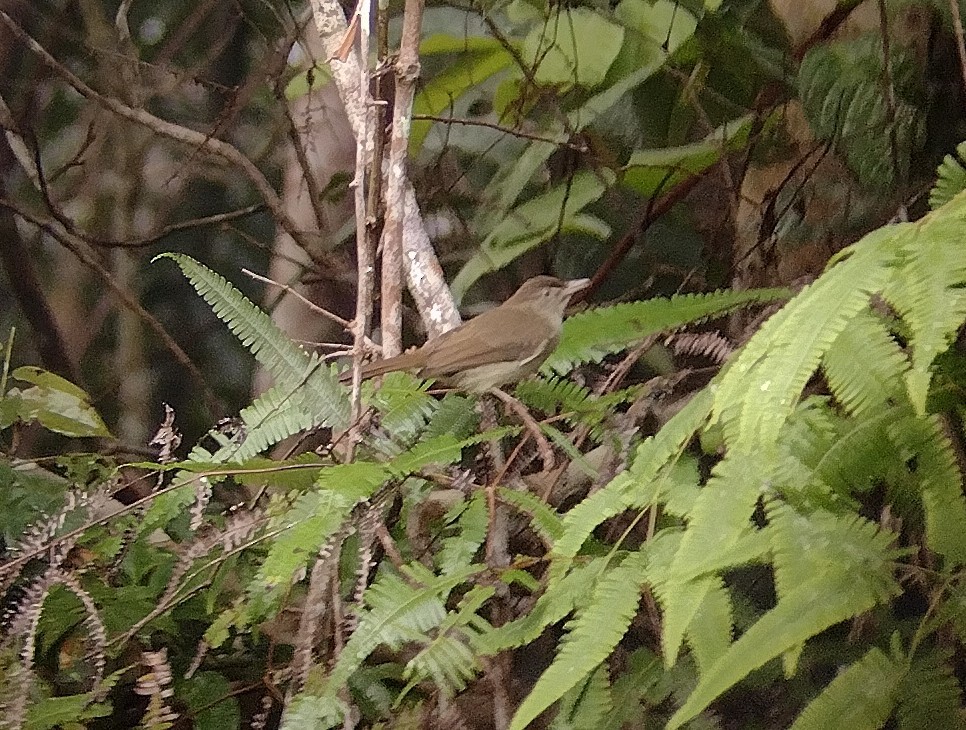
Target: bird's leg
[497,534]
[543,446]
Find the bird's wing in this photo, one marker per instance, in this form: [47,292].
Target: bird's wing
[503,339]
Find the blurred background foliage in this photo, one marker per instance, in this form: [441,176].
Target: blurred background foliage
[665,146]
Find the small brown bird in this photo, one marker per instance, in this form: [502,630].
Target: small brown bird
[503,345]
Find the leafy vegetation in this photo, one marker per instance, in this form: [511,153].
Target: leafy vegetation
[732,496]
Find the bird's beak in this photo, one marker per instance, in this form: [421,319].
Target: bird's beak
[575,285]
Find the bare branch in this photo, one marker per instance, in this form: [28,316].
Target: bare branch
[407,73]
[425,275]
[165,128]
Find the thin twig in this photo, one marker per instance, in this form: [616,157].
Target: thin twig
[566,144]
[546,451]
[165,128]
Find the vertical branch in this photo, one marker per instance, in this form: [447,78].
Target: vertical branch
[960,40]
[365,253]
[407,73]
[430,292]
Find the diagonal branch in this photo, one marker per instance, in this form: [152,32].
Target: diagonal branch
[165,128]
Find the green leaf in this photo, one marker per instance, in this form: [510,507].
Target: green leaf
[592,335]
[574,47]
[55,403]
[474,61]
[531,224]
[861,697]
[654,171]
[667,24]
[592,636]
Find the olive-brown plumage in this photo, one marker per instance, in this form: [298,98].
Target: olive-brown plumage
[503,345]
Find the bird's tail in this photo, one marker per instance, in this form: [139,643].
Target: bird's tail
[411,361]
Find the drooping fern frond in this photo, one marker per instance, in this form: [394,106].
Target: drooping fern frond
[851,572]
[290,366]
[449,658]
[398,612]
[845,701]
[760,388]
[576,402]
[457,551]
[592,335]
[638,486]
[927,290]
[587,705]
[929,693]
[591,636]
[950,178]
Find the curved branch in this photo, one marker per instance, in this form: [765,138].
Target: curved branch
[165,128]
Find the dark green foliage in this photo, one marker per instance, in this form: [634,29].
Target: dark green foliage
[877,124]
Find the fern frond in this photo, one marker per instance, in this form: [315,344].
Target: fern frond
[299,533]
[760,388]
[929,694]
[449,658]
[289,365]
[404,408]
[855,576]
[927,291]
[275,415]
[591,637]
[579,405]
[710,633]
[587,705]
[543,518]
[872,381]
[640,485]
[923,442]
[592,335]
[861,696]
[950,178]
[557,602]
[719,529]
[457,551]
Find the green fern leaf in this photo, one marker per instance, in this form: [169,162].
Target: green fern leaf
[710,633]
[557,602]
[592,335]
[718,523]
[856,575]
[640,485]
[543,518]
[950,178]
[458,551]
[290,366]
[587,705]
[862,696]
[308,712]
[873,383]
[940,484]
[449,658]
[930,695]
[591,637]
[760,389]
[299,533]
[398,612]
[927,291]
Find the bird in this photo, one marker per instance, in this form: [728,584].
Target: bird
[501,346]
